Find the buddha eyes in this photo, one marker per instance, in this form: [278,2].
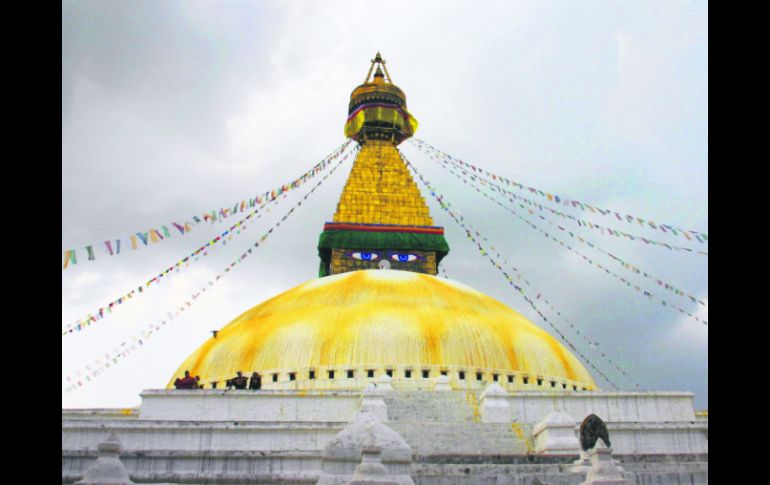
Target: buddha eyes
[371,256]
[364,256]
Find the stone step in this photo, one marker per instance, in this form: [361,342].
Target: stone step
[472,438]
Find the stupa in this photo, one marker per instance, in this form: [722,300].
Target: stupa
[427,379]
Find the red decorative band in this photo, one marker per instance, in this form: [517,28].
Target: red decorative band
[341,226]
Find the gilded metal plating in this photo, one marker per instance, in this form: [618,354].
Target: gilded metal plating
[378,319]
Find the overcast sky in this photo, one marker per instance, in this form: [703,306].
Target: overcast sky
[170,109]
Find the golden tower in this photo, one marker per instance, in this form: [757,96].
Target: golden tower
[382,220]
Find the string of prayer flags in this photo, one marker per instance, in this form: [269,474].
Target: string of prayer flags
[631,219]
[75,381]
[469,233]
[584,257]
[591,343]
[80,378]
[142,239]
[623,263]
[184,262]
[102,312]
[581,223]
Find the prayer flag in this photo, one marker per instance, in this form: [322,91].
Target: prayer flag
[69,257]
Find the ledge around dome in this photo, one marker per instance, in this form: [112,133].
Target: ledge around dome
[404,378]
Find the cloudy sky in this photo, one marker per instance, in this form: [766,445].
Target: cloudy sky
[170,109]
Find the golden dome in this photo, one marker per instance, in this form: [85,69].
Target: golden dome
[343,331]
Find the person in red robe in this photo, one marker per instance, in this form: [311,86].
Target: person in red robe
[187,382]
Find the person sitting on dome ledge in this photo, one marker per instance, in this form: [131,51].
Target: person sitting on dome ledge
[187,382]
[255,383]
[238,382]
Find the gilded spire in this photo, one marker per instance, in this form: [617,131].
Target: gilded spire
[382,220]
[380,190]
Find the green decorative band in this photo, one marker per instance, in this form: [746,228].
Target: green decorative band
[357,239]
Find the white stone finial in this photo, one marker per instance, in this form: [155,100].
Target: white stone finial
[384,383]
[342,456]
[582,464]
[371,464]
[372,389]
[110,446]
[107,468]
[372,402]
[494,389]
[555,435]
[558,418]
[442,383]
[603,468]
[494,405]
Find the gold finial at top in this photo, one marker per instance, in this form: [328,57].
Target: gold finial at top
[378,76]
[380,62]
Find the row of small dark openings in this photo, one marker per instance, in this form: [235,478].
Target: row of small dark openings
[425,374]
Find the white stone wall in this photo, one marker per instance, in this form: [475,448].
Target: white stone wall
[200,436]
[526,407]
[244,405]
[649,407]
[658,438]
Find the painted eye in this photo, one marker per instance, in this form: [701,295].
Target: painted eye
[364,256]
[403,257]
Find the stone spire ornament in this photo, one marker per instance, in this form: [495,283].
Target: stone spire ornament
[361,450]
[603,469]
[595,450]
[107,469]
[371,471]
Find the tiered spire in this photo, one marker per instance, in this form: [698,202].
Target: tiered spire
[380,190]
[382,220]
